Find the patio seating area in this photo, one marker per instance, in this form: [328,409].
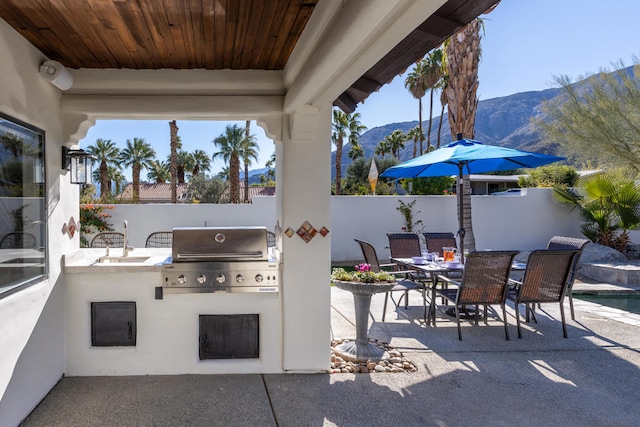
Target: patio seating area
[586,375]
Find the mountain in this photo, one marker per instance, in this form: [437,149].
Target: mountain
[504,121]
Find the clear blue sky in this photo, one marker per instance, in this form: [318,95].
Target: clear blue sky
[525,44]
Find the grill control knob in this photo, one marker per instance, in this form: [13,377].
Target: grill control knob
[220,278]
[201,279]
[181,279]
[239,278]
[259,278]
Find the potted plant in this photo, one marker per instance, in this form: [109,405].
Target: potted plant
[362,283]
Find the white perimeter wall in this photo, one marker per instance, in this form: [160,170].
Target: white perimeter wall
[499,222]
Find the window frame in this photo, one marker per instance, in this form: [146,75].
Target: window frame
[43,211]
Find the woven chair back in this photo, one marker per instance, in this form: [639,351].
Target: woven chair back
[369,254]
[546,276]
[436,241]
[404,245]
[113,239]
[485,277]
[159,239]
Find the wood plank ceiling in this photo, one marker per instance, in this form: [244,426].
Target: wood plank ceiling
[206,34]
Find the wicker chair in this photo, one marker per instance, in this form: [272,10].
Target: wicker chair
[570,243]
[18,240]
[113,239]
[404,286]
[159,239]
[546,279]
[436,241]
[484,282]
[404,245]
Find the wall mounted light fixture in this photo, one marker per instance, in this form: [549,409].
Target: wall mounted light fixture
[56,74]
[79,164]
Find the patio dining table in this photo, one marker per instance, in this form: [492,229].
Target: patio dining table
[433,269]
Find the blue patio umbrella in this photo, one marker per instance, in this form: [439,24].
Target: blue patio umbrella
[464,157]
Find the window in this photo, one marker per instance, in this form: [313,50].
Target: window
[22,205]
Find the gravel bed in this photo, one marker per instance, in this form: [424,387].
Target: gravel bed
[395,363]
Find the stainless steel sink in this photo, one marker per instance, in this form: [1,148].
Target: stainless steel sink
[121,259]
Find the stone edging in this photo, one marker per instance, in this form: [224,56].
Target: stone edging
[395,363]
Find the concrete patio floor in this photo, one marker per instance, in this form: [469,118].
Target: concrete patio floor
[591,378]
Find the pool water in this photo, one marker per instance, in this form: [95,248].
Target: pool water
[630,303]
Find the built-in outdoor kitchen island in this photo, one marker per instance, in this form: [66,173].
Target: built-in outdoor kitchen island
[149,313]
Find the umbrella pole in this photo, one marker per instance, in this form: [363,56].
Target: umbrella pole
[461,212]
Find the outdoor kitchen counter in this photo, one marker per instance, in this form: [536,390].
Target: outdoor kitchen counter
[86,260]
[164,330]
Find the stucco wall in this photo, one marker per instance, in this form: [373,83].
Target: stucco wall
[499,222]
[31,321]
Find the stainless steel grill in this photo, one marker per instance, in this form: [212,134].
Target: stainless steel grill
[211,259]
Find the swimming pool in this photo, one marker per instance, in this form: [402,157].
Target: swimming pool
[627,302]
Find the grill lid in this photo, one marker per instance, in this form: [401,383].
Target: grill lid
[204,244]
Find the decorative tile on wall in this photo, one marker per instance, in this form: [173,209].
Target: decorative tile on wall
[306,231]
[72,227]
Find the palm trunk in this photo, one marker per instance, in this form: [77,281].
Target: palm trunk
[430,120]
[440,125]
[136,182]
[173,130]
[104,182]
[420,123]
[338,165]
[464,57]
[246,165]
[234,179]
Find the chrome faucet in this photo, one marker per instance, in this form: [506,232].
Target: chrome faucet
[126,249]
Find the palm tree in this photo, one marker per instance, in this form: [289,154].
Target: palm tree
[416,84]
[463,58]
[433,78]
[230,144]
[248,151]
[105,152]
[609,203]
[344,126]
[12,143]
[137,154]
[184,162]
[271,164]
[224,173]
[158,172]
[395,142]
[201,162]
[173,172]
[382,149]
[414,133]
[355,152]
[444,83]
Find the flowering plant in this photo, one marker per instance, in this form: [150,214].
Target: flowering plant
[361,274]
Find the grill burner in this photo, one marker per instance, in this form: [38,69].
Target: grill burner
[230,259]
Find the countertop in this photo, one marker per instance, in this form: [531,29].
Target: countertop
[86,261]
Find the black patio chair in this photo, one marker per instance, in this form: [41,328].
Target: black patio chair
[546,279]
[569,243]
[403,285]
[159,239]
[113,239]
[484,282]
[404,245]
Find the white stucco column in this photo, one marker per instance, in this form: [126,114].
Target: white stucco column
[303,194]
